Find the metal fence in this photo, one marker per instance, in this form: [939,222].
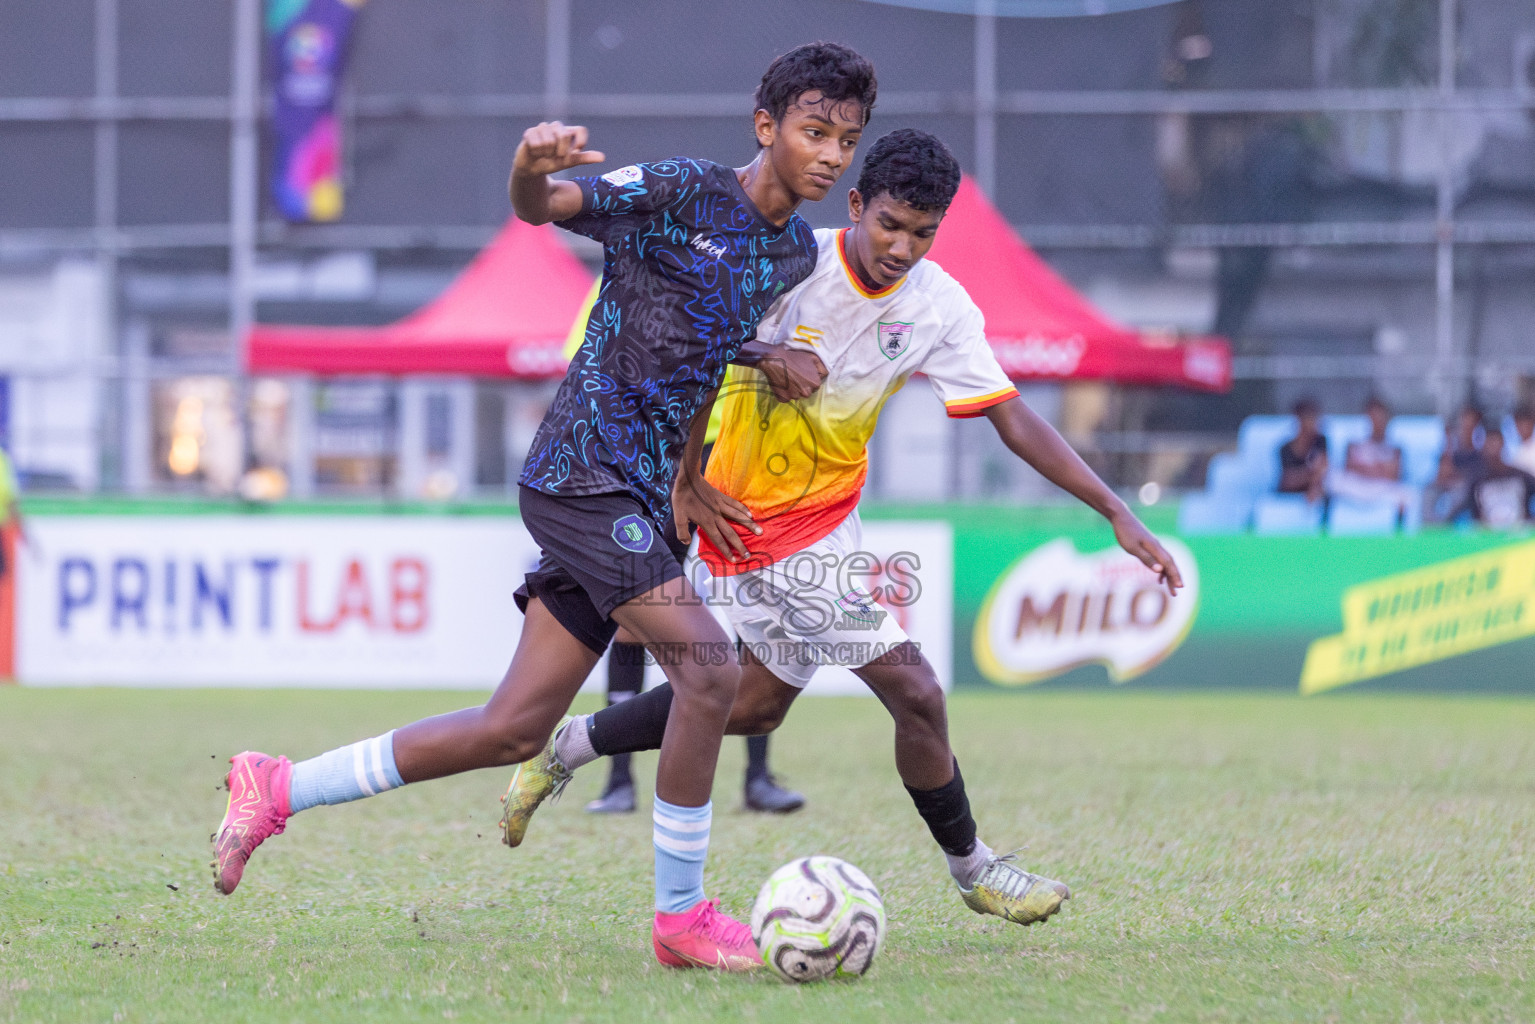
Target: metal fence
[1433,274]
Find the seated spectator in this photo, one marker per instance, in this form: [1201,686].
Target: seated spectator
[1459,463]
[1303,458]
[1465,448]
[1523,454]
[1372,468]
[1500,494]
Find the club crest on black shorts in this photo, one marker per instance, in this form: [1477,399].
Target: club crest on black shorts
[633,533]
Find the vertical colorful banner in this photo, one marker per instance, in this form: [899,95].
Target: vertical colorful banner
[307,42]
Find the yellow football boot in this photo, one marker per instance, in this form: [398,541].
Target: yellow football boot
[535,780]
[1013,894]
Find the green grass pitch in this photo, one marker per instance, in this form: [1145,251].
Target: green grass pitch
[1233,858]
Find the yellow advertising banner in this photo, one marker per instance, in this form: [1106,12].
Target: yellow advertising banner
[1427,615]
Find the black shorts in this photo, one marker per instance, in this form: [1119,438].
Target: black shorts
[597,551]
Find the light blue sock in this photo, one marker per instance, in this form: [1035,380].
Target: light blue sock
[681,838]
[345,774]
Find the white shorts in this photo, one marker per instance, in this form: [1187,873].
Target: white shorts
[810,609]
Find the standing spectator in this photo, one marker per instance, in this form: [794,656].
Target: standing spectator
[1523,454]
[1459,464]
[1303,458]
[1500,494]
[1372,468]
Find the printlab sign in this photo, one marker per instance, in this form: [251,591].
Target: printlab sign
[352,601]
[279,601]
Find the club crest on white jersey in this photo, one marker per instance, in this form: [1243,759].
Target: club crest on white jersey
[895,338]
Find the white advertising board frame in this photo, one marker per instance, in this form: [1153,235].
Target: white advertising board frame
[341,601]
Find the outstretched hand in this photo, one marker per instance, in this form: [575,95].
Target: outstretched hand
[792,373]
[1140,542]
[695,500]
[550,146]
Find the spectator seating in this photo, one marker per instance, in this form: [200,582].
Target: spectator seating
[1240,486]
[1340,432]
[1215,510]
[1421,439]
[1286,514]
[1510,436]
[1258,441]
[1348,517]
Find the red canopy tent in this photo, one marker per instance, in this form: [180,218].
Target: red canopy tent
[1041,328]
[506,315]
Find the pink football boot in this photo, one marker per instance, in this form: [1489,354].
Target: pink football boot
[703,937]
[258,808]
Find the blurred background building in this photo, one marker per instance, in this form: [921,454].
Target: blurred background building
[1343,188]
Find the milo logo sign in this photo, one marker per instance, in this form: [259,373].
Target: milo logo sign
[1056,609]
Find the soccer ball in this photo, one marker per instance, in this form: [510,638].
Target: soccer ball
[818,917]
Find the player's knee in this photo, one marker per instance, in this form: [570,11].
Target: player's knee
[707,686]
[757,718]
[922,700]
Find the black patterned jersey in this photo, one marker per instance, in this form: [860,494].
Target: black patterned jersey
[689,268]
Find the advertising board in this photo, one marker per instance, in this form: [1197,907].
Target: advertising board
[1044,598]
[364,601]
[352,600]
[995,596]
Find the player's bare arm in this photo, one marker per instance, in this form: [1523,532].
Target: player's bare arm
[697,501]
[792,373]
[545,149]
[1037,443]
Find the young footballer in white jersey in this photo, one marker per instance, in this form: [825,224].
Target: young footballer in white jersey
[778,508]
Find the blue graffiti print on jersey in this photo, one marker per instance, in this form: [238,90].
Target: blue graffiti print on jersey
[689,269]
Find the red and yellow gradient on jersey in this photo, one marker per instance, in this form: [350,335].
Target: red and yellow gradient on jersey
[800,466]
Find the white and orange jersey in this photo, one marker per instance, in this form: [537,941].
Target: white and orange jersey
[800,466]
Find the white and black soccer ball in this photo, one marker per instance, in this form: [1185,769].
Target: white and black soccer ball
[818,917]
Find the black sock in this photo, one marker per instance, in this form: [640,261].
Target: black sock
[626,677]
[618,772]
[626,669]
[947,813]
[638,723]
[756,757]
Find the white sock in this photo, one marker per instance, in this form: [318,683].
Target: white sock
[345,774]
[572,744]
[681,839]
[966,868]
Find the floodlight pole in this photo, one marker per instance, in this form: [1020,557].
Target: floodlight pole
[244,187]
[244,174]
[1453,382]
[557,59]
[106,150]
[986,95]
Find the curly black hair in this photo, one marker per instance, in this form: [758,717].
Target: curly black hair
[837,72]
[911,166]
